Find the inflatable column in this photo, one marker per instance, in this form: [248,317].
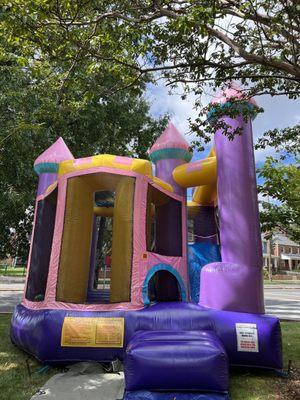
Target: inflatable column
[46,165]
[169,151]
[236,283]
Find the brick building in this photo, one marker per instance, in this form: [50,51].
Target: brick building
[285,253]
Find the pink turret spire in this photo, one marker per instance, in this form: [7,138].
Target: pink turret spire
[56,153]
[171,138]
[169,151]
[46,165]
[233,91]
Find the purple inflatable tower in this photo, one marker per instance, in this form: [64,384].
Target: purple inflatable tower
[236,283]
[46,165]
[169,151]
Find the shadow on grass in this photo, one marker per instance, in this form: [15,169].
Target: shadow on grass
[259,384]
[16,381]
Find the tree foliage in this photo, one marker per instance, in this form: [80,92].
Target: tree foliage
[285,142]
[77,68]
[198,44]
[33,114]
[281,185]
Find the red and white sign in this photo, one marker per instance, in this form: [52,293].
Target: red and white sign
[247,337]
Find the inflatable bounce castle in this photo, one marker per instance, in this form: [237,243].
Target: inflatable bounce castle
[111,275]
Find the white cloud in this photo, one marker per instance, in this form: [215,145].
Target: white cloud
[262,154]
[297,118]
[279,112]
[180,110]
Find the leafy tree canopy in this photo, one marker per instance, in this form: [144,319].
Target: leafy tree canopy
[65,65]
[199,44]
[34,113]
[281,183]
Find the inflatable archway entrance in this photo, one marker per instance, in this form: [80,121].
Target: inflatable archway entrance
[153,271]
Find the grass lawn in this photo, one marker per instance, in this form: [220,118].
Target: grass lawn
[9,271]
[16,384]
[259,385]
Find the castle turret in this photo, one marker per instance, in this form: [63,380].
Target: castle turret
[237,192]
[169,151]
[46,165]
[236,283]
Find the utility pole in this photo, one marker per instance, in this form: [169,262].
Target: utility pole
[270,256]
[270,234]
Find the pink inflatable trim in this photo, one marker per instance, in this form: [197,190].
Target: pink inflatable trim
[142,260]
[56,153]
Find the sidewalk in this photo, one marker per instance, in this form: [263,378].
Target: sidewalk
[12,279]
[280,300]
[283,286]
[12,283]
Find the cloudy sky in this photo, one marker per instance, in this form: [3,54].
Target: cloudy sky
[279,112]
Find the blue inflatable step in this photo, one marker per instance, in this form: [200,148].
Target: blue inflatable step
[176,361]
[145,395]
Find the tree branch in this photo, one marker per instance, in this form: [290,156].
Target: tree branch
[254,58]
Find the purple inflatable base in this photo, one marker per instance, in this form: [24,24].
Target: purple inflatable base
[228,286]
[38,332]
[176,361]
[145,395]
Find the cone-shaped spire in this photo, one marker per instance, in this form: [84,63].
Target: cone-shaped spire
[170,144]
[232,91]
[232,97]
[48,161]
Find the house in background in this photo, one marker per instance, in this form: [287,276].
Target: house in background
[285,254]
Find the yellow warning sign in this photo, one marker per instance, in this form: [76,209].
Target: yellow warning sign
[92,332]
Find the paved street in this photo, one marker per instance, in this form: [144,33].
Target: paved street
[8,300]
[282,301]
[11,293]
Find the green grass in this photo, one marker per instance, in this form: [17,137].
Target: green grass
[16,384]
[260,385]
[9,271]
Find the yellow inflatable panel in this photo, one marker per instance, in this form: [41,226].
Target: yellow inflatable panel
[50,187]
[122,246]
[198,173]
[104,211]
[75,249]
[201,174]
[163,184]
[205,195]
[140,166]
[212,152]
